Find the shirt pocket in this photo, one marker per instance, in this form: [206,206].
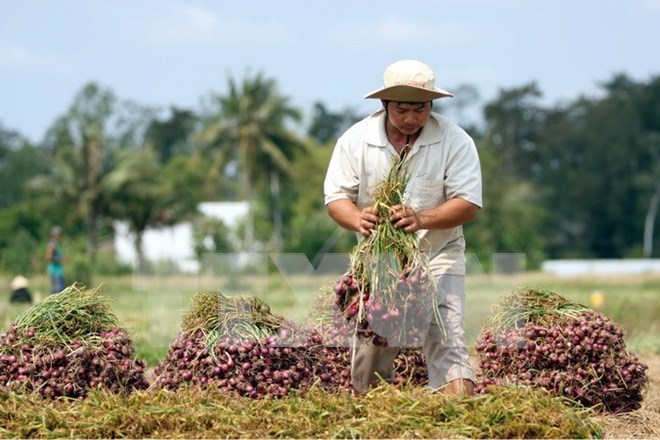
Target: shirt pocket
[426,193]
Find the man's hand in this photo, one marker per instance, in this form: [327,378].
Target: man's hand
[368,221]
[348,215]
[406,218]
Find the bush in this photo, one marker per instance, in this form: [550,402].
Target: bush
[19,255]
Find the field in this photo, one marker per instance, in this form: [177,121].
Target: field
[150,308]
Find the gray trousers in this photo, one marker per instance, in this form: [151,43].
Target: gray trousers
[447,357]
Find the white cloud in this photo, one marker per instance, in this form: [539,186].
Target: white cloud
[186,25]
[17,57]
[400,32]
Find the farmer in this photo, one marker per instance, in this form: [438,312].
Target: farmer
[443,193]
[20,290]
[54,258]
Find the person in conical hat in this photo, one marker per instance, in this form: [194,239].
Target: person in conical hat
[443,193]
[20,292]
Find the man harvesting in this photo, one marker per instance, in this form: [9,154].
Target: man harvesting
[442,192]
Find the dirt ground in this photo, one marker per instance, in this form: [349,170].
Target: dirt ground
[645,422]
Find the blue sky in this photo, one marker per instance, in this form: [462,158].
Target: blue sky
[174,52]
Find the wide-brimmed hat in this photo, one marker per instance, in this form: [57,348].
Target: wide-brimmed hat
[19,282]
[408,81]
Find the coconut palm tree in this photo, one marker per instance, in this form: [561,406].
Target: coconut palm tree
[249,127]
[143,196]
[80,145]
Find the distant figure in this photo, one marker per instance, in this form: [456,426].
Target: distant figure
[54,258]
[20,292]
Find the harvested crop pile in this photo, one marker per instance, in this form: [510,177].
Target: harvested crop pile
[409,365]
[67,345]
[538,338]
[237,344]
[386,293]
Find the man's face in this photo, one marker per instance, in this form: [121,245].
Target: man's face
[408,117]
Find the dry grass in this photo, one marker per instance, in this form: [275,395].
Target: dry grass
[385,412]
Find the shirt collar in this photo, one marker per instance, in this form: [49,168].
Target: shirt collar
[375,133]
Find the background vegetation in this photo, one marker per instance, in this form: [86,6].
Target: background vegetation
[575,180]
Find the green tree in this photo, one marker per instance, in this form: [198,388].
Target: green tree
[249,128]
[649,176]
[594,162]
[513,204]
[9,140]
[586,149]
[513,121]
[651,180]
[21,231]
[212,236]
[185,175]
[310,229]
[279,173]
[512,215]
[327,126]
[80,143]
[463,107]
[171,136]
[19,162]
[142,195]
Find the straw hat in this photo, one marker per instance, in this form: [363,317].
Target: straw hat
[408,81]
[19,282]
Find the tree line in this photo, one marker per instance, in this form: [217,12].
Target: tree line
[579,179]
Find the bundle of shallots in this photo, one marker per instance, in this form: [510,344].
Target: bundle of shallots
[386,293]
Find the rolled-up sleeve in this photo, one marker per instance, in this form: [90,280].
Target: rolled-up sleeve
[342,177]
[463,175]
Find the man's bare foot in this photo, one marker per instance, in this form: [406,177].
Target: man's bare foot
[458,387]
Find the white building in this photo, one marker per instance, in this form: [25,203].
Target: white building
[174,244]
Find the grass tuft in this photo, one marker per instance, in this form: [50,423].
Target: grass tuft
[527,305]
[75,314]
[218,315]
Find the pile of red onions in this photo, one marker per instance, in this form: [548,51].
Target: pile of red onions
[268,367]
[571,351]
[30,365]
[409,365]
[268,362]
[394,318]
